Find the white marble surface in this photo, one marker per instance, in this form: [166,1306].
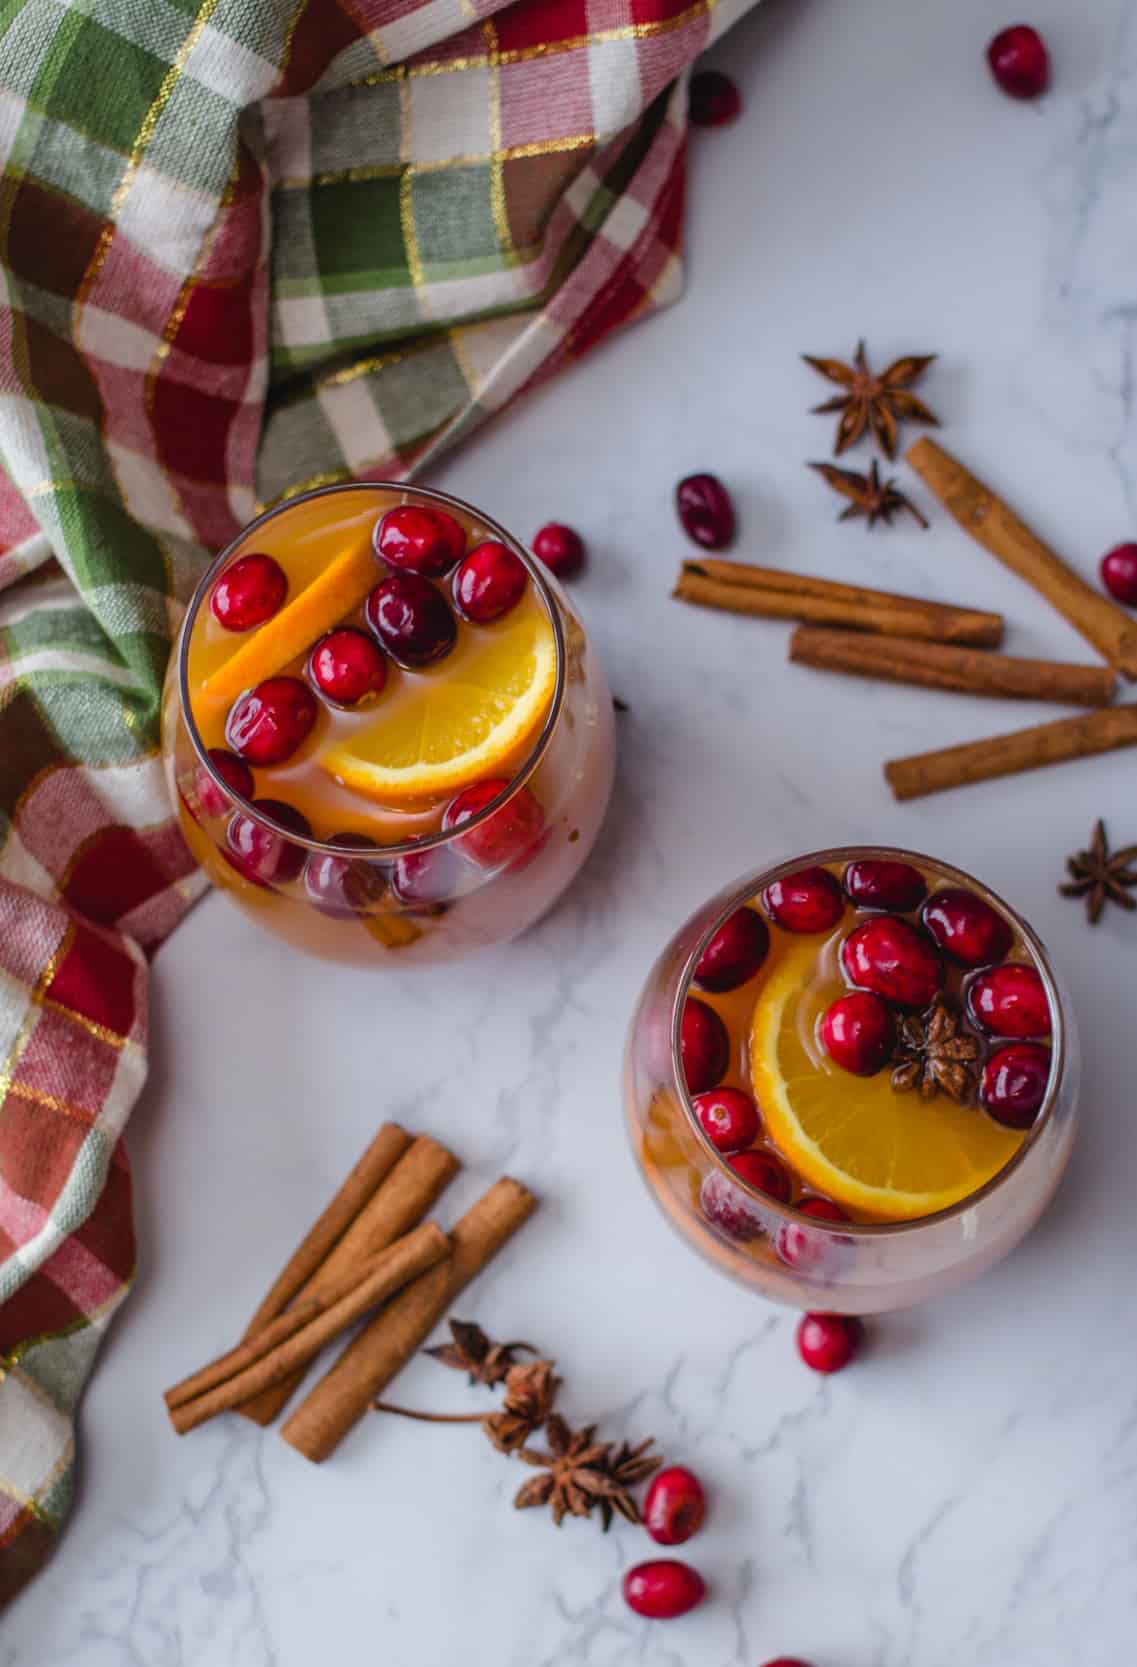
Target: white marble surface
[965,1495]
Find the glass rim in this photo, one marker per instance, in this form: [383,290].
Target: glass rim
[741,893]
[550,600]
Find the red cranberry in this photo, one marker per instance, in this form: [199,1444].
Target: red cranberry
[806,1250]
[347,667]
[561,549]
[858,1033]
[893,960]
[786,1661]
[1019,61]
[764,1172]
[735,952]
[249,591]
[416,539]
[703,1045]
[663,1589]
[426,880]
[340,885]
[508,835]
[489,583]
[269,723]
[234,772]
[966,927]
[713,99]
[1010,1001]
[808,901]
[1014,1083]
[878,883]
[729,1118]
[265,855]
[827,1342]
[411,619]
[1119,573]
[675,1506]
[729,1208]
[705,510]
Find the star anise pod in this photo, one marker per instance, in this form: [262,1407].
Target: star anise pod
[1100,876]
[931,1055]
[473,1352]
[530,1391]
[627,1467]
[574,1476]
[868,495]
[872,401]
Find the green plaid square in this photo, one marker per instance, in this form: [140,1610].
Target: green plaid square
[206,165]
[107,84]
[454,218]
[358,235]
[418,394]
[108,545]
[358,128]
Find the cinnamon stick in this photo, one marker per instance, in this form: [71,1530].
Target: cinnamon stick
[994,525]
[401,1200]
[289,1342]
[768,593]
[940,666]
[1007,755]
[382,1349]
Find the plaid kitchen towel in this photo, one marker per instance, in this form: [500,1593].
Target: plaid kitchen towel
[246,246]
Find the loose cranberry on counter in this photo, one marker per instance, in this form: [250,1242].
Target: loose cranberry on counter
[808,901]
[675,1506]
[416,539]
[729,1118]
[705,510]
[735,952]
[248,592]
[893,960]
[269,723]
[858,1033]
[805,1250]
[704,1046]
[828,1342]
[1119,573]
[505,837]
[426,880]
[966,927]
[234,772]
[411,619]
[1010,1001]
[663,1589]
[560,548]
[1019,61]
[1014,1083]
[265,855]
[489,583]
[347,667]
[344,886]
[786,1661]
[713,99]
[881,883]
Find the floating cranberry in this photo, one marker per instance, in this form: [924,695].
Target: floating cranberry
[489,583]
[1014,1083]
[1019,61]
[735,952]
[704,1046]
[341,885]
[730,1208]
[663,1589]
[966,927]
[808,901]
[729,1118]
[505,837]
[348,667]
[705,510]
[1119,573]
[858,1033]
[1010,1001]
[675,1506]
[764,1173]
[269,723]
[234,772]
[560,548]
[713,100]
[265,855]
[827,1342]
[805,1249]
[416,539]
[881,883]
[249,591]
[893,960]
[411,619]
[426,880]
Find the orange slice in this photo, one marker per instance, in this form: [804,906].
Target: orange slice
[335,592]
[465,720]
[892,1156]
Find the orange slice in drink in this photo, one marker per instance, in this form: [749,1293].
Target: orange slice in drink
[335,592]
[892,1156]
[467,718]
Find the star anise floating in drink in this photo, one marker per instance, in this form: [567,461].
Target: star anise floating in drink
[933,1057]
[875,402]
[1102,876]
[868,495]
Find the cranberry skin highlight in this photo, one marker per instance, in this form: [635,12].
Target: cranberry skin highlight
[663,1589]
[729,1118]
[234,772]
[880,883]
[265,855]
[271,722]
[675,1507]
[894,961]
[808,901]
[828,1342]
[713,99]
[560,548]
[248,592]
[965,927]
[735,953]
[1019,61]
[507,836]
[416,539]
[705,510]
[489,583]
[1014,1082]
[1119,573]
[348,667]
[411,620]
[858,1034]
[1010,1001]
[704,1047]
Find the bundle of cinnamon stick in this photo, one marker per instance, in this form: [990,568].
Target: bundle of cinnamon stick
[369,1253]
[905,639]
